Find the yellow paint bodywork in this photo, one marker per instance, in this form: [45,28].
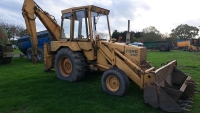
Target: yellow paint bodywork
[88,49]
[193,48]
[55,45]
[135,54]
[103,55]
[29,11]
[125,57]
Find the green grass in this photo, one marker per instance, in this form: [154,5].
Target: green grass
[17,51]
[25,87]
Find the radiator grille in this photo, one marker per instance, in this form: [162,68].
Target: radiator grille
[143,56]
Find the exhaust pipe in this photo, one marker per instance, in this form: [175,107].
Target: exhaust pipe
[128,34]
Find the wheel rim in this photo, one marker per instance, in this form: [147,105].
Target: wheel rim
[65,66]
[39,56]
[112,83]
[163,48]
[30,55]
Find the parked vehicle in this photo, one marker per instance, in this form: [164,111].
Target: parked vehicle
[188,45]
[162,45]
[78,46]
[137,44]
[6,50]
[14,46]
[24,44]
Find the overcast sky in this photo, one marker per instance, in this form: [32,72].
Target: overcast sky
[165,15]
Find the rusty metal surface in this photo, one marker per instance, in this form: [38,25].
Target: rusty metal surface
[166,103]
[164,72]
[7,49]
[169,89]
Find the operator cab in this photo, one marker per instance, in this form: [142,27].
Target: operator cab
[85,22]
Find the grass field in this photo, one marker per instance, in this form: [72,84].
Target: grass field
[17,51]
[25,87]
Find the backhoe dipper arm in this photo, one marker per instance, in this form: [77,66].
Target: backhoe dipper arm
[29,11]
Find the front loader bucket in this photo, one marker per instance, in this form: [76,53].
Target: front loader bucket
[169,89]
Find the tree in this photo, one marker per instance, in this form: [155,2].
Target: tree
[133,39]
[185,31]
[150,34]
[115,34]
[174,38]
[20,31]
[13,30]
[151,29]
[165,35]
[137,34]
[134,35]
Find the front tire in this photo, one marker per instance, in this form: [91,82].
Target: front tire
[6,60]
[69,65]
[115,82]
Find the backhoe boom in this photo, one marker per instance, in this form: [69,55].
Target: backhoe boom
[30,11]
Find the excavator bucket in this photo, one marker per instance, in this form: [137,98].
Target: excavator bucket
[169,89]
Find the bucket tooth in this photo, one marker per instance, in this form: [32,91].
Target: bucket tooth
[188,106]
[193,82]
[190,99]
[190,80]
[189,83]
[189,102]
[185,110]
[185,101]
[185,105]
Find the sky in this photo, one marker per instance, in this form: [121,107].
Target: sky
[165,15]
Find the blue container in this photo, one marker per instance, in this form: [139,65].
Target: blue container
[24,43]
[180,40]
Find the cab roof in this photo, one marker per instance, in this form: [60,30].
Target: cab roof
[89,7]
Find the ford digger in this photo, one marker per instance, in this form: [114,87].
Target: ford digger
[83,42]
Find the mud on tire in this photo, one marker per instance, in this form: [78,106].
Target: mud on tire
[69,65]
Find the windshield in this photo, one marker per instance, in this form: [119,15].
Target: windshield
[66,25]
[99,25]
[81,25]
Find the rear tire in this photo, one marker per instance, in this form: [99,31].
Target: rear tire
[29,54]
[115,82]
[162,48]
[6,60]
[40,55]
[69,65]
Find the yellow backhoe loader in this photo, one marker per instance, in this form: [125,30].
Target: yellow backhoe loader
[83,41]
